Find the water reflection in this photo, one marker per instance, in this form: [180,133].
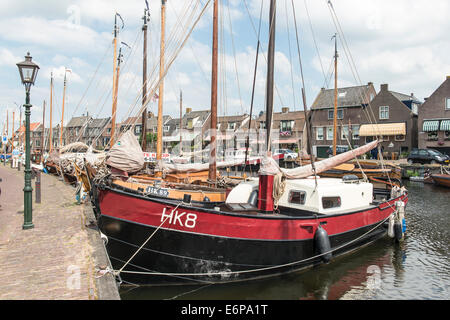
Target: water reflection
[417,268]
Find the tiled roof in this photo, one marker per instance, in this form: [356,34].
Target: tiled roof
[347,97]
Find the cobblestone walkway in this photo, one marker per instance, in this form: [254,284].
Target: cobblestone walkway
[53,260]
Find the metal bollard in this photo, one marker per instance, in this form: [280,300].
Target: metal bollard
[18,165]
[38,186]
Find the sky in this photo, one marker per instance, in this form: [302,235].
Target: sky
[403,43]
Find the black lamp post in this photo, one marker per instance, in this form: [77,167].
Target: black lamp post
[28,72]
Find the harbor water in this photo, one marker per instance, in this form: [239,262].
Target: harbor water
[417,268]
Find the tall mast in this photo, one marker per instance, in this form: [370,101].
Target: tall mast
[20,127]
[13,134]
[43,133]
[144,83]
[335,96]
[212,147]
[51,112]
[62,115]
[181,121]
[114,89]
[115,93]
[270,73]
[161,84]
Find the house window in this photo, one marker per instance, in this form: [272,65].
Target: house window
[384,113]
[190,124]
[400,138]
[385,138]
[137,129]
[433,136]
[355,132]
[447,135]
[330,132]
[231,125]
[447,103]
[297,197]
[344,132]
[262,124]
[286,125]
[340,114]
[319,133]
[166,128]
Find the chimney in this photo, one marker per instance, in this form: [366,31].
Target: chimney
[448,77]
[384,87]
[188,110]
[370,83]
[285,110]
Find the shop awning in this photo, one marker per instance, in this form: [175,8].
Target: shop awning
[383,129]
[430,125]
[285,141]
[445,125]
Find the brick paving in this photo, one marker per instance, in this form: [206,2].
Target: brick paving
[44,262]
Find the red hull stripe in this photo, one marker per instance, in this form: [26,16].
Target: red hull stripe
[151,213]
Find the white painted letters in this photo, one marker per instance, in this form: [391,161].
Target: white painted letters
[182,219]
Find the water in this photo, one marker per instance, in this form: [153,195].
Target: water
[418,268]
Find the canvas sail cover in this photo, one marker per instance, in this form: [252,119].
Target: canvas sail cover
[126,154]
[270,167]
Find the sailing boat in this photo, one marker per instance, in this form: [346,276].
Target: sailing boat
[180,181]
[280,222]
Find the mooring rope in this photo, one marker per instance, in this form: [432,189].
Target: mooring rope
[148,239]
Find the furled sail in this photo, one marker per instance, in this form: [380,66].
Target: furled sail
[270,167]
[126,154]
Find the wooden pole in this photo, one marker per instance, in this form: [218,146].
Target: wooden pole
[62,115]
[20,127]
[113,112]
[161,84]
[181,122]
[335,96]
[116,89]
[13,133]
[212,176]
[144,85]
[43,134]
[270,73]
[51,113]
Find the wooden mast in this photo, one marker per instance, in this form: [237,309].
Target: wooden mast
[20,127]
[335,96]
[62,115]
[114,97]
[212,176]
[51,112]
[144,84]
[181,122]
[116,89]
[43,133]
[270,73]
[12,138]
[161,85]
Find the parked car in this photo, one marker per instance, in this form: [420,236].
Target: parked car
[339,150]
[288,154]
[427,156]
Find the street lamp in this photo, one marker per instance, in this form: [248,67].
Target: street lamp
[28,72]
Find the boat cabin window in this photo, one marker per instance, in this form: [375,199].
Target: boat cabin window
[297,197]
[331,202]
